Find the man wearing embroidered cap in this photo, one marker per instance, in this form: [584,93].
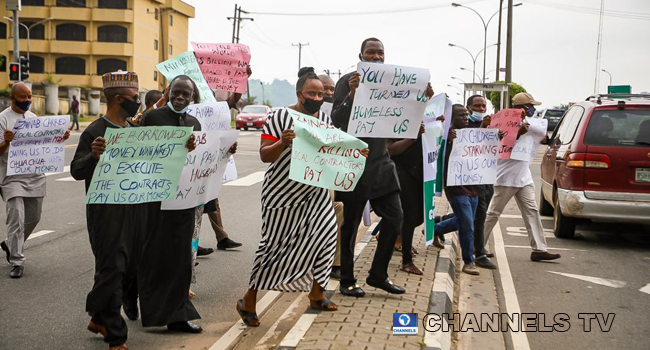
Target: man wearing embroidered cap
[114,229]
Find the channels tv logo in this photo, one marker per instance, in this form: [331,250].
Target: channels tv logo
[405,323]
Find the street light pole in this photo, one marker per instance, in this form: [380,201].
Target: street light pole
[28,29]
[475,74]
[509,47]
[474,58]
[263,95]
[610,76]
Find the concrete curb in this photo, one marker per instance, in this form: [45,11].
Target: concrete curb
[441,300]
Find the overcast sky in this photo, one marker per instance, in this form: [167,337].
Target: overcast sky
[554,50]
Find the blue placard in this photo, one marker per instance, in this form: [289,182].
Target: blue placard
[405,323]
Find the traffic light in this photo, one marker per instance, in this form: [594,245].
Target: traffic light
[14,71]
[24,68]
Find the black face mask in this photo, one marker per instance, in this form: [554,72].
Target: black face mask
[130,107]
[312,106]
[328,99]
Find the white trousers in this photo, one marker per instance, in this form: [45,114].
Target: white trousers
[525,197]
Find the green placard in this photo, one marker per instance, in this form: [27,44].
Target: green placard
[619,89]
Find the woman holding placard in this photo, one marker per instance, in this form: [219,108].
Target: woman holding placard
[299,226]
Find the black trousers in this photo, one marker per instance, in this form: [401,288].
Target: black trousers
[485,193]
[389,208]
[412,199]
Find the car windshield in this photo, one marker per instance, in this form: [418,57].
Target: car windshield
[627,127]
[254,110]
[555,114]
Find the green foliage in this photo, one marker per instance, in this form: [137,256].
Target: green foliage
[495,97]
[6,92]
[50,80]
[564,106]
[267,103]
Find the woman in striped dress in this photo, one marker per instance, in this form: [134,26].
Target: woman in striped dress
[298,222]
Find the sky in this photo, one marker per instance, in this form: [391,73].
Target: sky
[554,44]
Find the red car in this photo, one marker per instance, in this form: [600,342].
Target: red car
[252,116]
[597,164]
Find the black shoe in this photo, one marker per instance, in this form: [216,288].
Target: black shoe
[228,243]
[539,256]
[352,291]
[204,251]
[4,247]
[386,285]
[186,327]
[336,273]
[131,309]
[485,263]
[489,254]
[16,272]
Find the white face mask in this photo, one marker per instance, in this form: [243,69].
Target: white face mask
[171,106]
[477,117]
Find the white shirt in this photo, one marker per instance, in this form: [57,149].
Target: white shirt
[513,173]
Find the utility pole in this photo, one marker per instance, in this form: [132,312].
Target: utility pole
[236,25]
[300,45]
[509,46]
[499,41]
[599,47]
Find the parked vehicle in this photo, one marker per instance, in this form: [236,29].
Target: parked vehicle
[252,116]
[553,116]
[597,164]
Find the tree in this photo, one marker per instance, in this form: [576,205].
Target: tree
[495,96]
[268,103]
[249,100]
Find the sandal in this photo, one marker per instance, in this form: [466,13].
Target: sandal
[411,268]
[414,251]
[250,318]
[323,304]
[192,294]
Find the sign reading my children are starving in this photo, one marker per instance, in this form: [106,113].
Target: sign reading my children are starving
[37,146]
[473,158]
[224,66]
[508,121]
[139,165]
[324,156]
[389,102]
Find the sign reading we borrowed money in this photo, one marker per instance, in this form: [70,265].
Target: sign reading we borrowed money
[324,156]
[185,64]
[508,121]
[527,144]
[205,167]
[37,146]
[389,102]
[473,158]
[224,66]
[431,141]
[139,165]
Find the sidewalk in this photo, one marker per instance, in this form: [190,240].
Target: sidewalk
[366,323]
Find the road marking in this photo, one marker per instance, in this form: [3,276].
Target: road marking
[238,328]
[511,216]
[39,233]
[66,179]
[523,232]
[645,289]
[596,280]
[528,247]
[273,329]
[519,339]
[65,170]
[249,180]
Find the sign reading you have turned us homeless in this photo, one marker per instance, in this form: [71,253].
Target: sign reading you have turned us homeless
[37,146]
[224,66]
[389,102]
[139,165]
[324,156]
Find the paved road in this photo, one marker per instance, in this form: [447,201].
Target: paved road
[45,308]
[617,253]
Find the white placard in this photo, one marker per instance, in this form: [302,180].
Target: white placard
[326,108]
[212,115]
[38,145]
[231,171]
[527,144]
[389,102]
[473,158]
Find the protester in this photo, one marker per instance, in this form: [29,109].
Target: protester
[328,86]
[298,223]
[164,281]
[478,118]
[74,110]
[23,194]
[514,179]
[380,186]
[115,230]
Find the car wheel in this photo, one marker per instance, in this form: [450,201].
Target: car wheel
[545,208]
[245,129]
[563,227]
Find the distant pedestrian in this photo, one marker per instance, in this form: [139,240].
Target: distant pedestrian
[514,179]
[74,110]
[23,194]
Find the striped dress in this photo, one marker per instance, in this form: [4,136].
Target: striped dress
[298,224]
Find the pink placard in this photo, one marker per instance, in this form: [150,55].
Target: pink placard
[223,65]
[508,121]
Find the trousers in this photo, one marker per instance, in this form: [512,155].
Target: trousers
[485,193]
[23,214]
[525,197]
[217,223]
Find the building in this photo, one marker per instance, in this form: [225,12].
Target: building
[84,39]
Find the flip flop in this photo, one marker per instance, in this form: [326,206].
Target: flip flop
[323,304]
[411,268]
[250,318]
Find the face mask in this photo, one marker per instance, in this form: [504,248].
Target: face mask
[477,117]
[169,104]
[130,107]
[364,60]
[24,105]
[312,106]
[328,99]
[530,111]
